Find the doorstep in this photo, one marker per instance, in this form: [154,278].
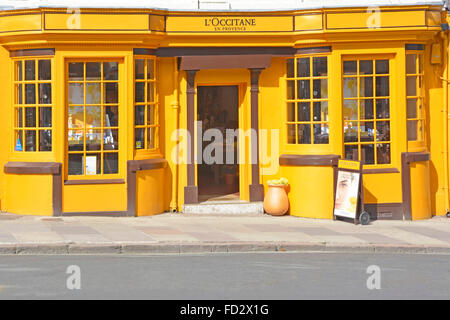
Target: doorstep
[235,207]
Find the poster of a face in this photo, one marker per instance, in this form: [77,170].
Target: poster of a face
[346,194]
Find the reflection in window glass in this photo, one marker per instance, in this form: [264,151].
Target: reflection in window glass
[414,96]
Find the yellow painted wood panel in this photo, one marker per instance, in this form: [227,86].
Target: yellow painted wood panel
[22,22]
[94,198]
[116,22]
[386,19]
[308,22]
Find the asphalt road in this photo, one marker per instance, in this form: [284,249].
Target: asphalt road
[226,276]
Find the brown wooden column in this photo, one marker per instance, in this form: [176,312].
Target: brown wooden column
[256,189]
[191,190]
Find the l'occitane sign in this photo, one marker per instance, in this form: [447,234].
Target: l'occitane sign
[229,23]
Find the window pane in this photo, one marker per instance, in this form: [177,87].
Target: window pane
[139,92]
[139,115]
[93,93]
[350,87]
[291,111]
[366,131]
[382,106]
[19,94]
[412,130]
[320,87]
[76,140]
[45,93]
[290,90]
[93,117]
[151,138]
[411,64]
[45,69]
[45,140]
[383,153]
[351,152]
[350,109]
[366,87]
[111,116]
[304,133]
[383,131]
[321,133]
[420,63]
[150,70]
[111,163]
[45,117]
[350,131]
[30,94]
[110,71]
[19,70]
[19,117]
[139,138]
[76,71]
[139,69]
[151,115]
[411,108]
[290,68]
[366,111]
[320,111]
[111,139]
[303,89]
[93,71]
[76,166]
[366,67]
[76,93]
[411,86]
[30,140]
[303,111]
[382,84]
[93,140]
[18,141]
[93,163]
[111,93]
[76,117]
[350,68]
[150,92]
[367,154]
[303,66]
[382,66]
[30,117]
[30,70]
[320,67]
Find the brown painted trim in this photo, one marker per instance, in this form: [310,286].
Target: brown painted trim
[407,158]
[309,160]
[144,51]
[385,211]
[191,190]
[32,167]
[257,61]
[210,51]
[96,214]
[95,181]
[32,52]
[132,167]
[57,192]
[381,170]
[415,47]
[256,189]
[314,50]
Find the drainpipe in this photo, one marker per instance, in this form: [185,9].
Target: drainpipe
[444,36]
[176,111]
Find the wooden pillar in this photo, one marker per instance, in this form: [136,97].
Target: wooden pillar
[256,189]
[191,190]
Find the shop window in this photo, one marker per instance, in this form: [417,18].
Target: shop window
[33,105]
[145,104]
[93,118]
[307,100]
[414,96]
[366,111]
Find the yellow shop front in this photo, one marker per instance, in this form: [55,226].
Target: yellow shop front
[132,112]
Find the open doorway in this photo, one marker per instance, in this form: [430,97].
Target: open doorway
[218,108]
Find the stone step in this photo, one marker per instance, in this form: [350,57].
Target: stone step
[224,207]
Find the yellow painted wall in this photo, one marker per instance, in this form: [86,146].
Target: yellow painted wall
[5,107]
[420,191]
[151,193]
[94,198]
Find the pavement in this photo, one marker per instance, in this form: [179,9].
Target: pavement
[177,233]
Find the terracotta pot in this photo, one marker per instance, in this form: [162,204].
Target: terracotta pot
[276,201]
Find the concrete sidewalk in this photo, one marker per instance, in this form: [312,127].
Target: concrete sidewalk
[182,233]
